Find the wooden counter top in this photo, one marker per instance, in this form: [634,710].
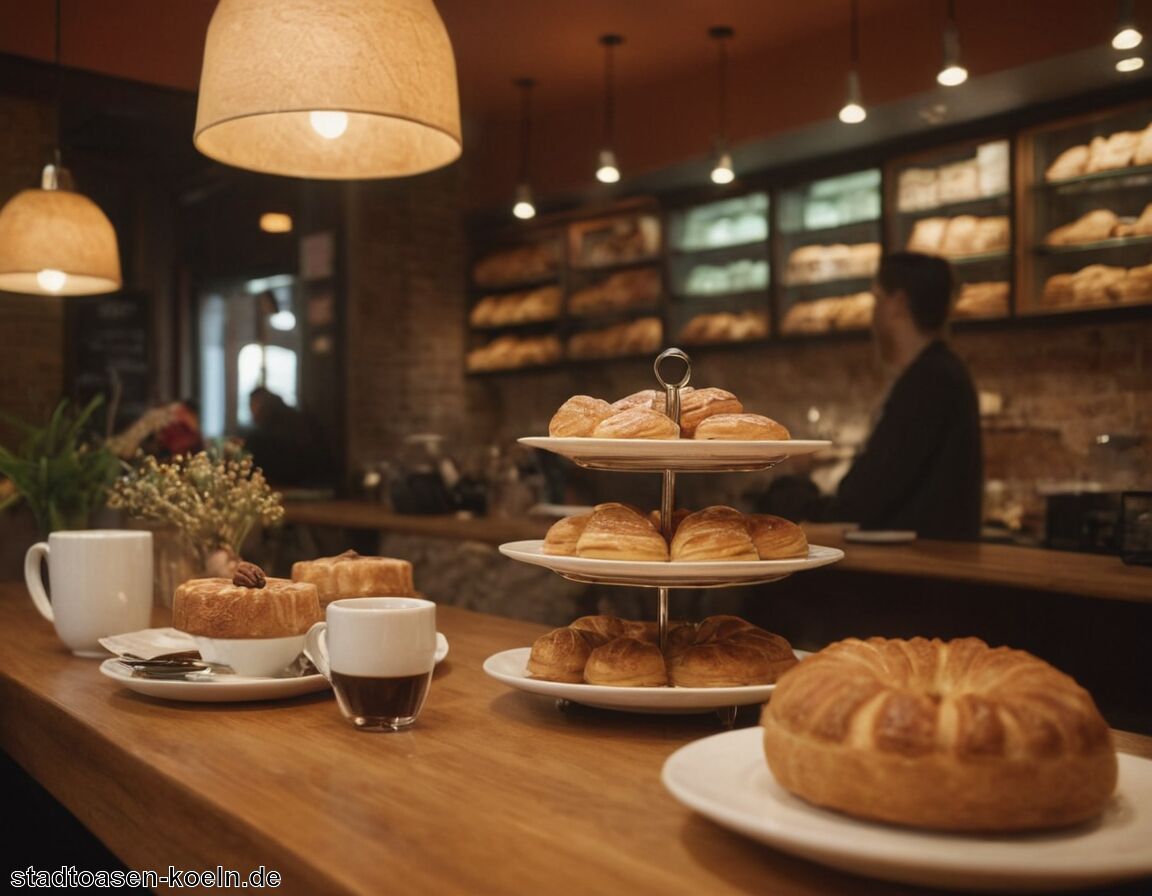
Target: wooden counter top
[493,791]
[1089,575]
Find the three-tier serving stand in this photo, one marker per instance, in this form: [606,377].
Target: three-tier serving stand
[669,457]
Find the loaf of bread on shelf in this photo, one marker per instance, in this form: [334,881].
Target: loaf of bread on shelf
[950,735]
[522,263]
[724,533]
[1114,151]
[916,189]
[510,352]
[748,427]
[633,337]
[813,316]
[1057,290]
[1097,284]
[528,306]
[1142,154]
[1090,227]
[982,299]
[960,236]
[1136,285]
[355,575]
[853,312]
[927,235]
[991,234]
[622,290]
[725,326]
[720,651]
[234,608]
[1072,162]
[611,531]
[958,181]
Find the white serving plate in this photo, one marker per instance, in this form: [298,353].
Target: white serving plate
[655,573]
[726,778]
[511,668]
[679,455]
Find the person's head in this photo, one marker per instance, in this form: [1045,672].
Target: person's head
[913,298]
[263,403]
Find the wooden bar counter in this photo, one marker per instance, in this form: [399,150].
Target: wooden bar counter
[493,791]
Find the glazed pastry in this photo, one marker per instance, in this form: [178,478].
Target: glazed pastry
[949,735]
[741,426]
[578,417]
[699,404]
[636,423]
[715,533]
[618,532]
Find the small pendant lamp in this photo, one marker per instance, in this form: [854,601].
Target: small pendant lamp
[524,207]
[331,89]
[54,241]
[722,172]
[607,169]
[853,111]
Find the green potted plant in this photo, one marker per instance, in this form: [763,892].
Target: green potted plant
[59,470]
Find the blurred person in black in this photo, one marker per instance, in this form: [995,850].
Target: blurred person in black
[922,466]
[286,444]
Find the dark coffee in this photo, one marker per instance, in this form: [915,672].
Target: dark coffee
[380,702]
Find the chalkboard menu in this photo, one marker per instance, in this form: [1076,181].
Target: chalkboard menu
[110,351]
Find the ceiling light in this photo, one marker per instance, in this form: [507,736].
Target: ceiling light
[952,73]
[722,171]
[853,112]
[524,208]
[276,222]
[54,241]
[1128,36]
[332,89]
[1129,64]
[607,170]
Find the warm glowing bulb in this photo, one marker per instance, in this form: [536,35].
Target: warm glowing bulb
[852,113]
[329,125]
[1131,64]
[952,75]
[1127,38]
[608,174]
[722,172]
[51,280]
[524,210]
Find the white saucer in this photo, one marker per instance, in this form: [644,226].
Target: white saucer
[726,778]
[655,573]
[511,668]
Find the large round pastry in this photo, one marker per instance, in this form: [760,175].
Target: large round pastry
[949,735]
[240,609]
[353,575]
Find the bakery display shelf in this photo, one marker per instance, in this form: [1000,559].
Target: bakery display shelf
[544,324]
[747,249]
[1113,178]
[514,285]
[821,288]
[706,301]
[996,201]
[581,268]
[865,231]
[979,258]
[1118,242]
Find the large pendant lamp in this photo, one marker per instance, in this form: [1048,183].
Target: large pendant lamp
[54,241]
[333,89]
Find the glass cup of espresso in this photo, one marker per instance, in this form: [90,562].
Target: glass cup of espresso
[378,653]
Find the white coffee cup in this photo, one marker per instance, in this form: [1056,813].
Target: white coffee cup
[378,653]
[101,583]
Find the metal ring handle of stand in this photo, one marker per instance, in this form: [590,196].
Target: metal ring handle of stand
[668,486]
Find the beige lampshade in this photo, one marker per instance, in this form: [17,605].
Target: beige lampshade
[387,65]
[48,233]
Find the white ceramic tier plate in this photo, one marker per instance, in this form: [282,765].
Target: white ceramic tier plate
[725,778]
[681,455]
[654,573]
[511,668]
[224,687]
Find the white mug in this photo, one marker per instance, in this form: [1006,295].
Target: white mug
[378,653]
[101,582]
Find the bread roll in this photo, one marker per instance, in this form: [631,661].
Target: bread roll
[636,423]
[578,417]
[560,655]
[218,608]
[700,404]
[916,189]
[353,575]
[1115,151]
[741,426]
[1071,163]
[947,735]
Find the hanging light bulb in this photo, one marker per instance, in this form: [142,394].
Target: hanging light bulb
[952,73]
[853,112]
[524,207]
[1129,64]
[333,89]
[54,241]
[607,169]
[722,170]
[1128,36]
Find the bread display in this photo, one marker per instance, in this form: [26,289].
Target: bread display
[724,326]
[721,651]
[1136,286]
[517,265]
[1142,154]
[984,174]
[250,605]
[1090,227]
[1098,284]
[615,531]
[960,235]
[820,264]
[958,182]
[927,235]
[982,299]
[615,240]
[510,352]
[621,291]
[949,735]
[1140,226]
[527,306]
[641,335]
[851,312]
[916,189]
[1072,162]
[1120,149]
[1114,151]
[353,575]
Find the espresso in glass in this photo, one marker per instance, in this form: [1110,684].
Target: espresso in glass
[380,703]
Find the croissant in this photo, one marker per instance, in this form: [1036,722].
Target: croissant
[949,735]
[695,405]
[723,533]
[610,532]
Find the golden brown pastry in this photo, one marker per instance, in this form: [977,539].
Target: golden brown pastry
[636,423]
[627,662]
[1071,163]
[1142,155]
[353,575]
[220,608]
[1114,151]
[564,535]
[983,299]
[578,416]
[1097,284]
[560,655]
[699,404]
[960,236]
[927,235]
[1137,285]
[677,516]
[776,538]
[1088,228]
[949,735]
[754,427]
[614,532]
[724,533]
[726,652]
[1057,290]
